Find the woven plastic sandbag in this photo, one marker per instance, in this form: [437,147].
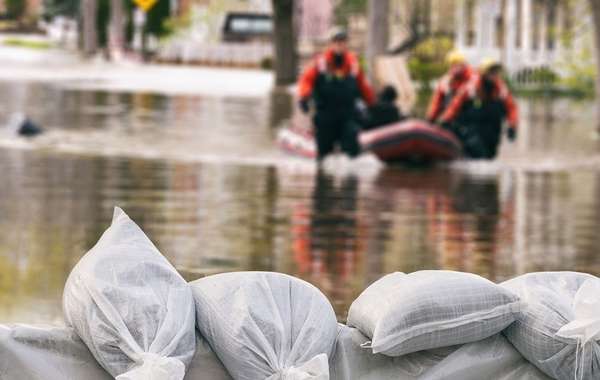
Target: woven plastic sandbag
[493,358]
[46,353]
[557,329]
[266,325]
[131,307]
[57,353]
[352,362]
[405,313]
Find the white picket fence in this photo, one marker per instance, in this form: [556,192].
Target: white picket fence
[222,54]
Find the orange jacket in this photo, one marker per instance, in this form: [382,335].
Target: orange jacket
[451,83]
[473,90]
[324,63]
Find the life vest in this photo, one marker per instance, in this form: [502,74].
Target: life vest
[351,65]
[501,91]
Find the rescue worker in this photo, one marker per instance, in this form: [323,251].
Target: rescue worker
[459,74]
[477,112]
[385,111]
[335,81]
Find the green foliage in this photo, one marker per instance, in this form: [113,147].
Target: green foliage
[347,8]
[266,63]
[541,76]
[156,18]
[428,59]
[175,24]
[129,27]
[423,98]
[580,72]
[15,8]
[103,22]
[545,75]
[158,21]
[53,8]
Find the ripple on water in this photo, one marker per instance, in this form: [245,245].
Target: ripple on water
[203,178]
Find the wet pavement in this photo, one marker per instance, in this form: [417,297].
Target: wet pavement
[202,177]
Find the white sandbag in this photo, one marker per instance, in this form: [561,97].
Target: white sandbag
[558,327]
[57,353]
[404,313]
[493,358]
[352,362]
[131,307]
[266,325]
[46,353]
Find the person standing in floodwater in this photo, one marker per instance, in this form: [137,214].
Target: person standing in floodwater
[458,76]
[335,81]
[477,112]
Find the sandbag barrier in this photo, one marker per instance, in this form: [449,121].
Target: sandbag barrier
[131,316]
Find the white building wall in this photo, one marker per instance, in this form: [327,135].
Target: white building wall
[515,58]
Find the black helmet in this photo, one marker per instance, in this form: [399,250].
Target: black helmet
[388,94]
[338,35]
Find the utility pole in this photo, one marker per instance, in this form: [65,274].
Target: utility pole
[595,7]
[378,31]
[284,40]
[116,34]
[89,39]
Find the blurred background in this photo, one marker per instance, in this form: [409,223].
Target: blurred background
[170,109]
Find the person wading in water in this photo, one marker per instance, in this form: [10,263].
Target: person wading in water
[457,77]
[477,112]
[335,82]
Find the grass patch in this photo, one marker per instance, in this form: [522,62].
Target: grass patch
[553,92]
[28,44]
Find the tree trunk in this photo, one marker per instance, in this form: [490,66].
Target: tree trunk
[89,10]
[284,39]
[595,6]
[117,28]
[378,31]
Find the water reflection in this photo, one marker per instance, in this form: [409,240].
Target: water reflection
[555,129]
[327,236]
[146,124]
[338,231]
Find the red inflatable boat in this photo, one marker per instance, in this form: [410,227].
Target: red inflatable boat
[408,141]
[411,140]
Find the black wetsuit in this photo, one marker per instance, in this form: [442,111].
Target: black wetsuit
[479,127]
[336,119]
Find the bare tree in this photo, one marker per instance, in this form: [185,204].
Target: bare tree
[417,22]
[117,26]
[595,6]
[284,38]
[89,33]
[378,31]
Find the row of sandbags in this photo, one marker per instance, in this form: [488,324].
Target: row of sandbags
[141,320]
[45,352]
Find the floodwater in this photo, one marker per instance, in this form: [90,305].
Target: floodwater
[203,179]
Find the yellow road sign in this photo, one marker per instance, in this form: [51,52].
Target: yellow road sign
[145,5]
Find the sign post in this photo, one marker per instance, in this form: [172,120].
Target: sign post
[140,17]
[145,5]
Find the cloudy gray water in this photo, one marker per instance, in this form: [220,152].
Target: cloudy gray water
[225,199]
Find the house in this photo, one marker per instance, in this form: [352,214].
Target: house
[33,8]
[239,32]
[522,34]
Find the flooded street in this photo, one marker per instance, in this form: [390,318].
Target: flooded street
[203,178]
